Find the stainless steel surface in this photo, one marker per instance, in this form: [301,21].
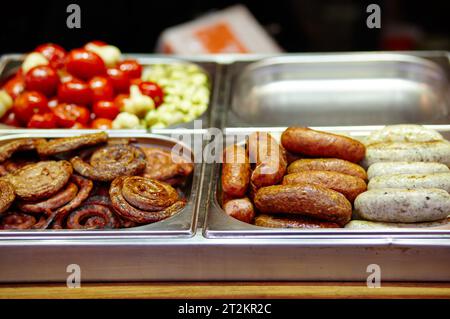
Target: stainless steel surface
[339,89]
[11,62]
[220,225]
[183,224]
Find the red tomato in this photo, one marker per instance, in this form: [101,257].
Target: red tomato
[85,64]
[52,103]
[68,114]
[118,101]
[101,124]
[15,86]
[153,90]
[75,91]
[132,68]
[101,88]
[78,126]
[10,119]
[64,76]
[55,54]
[119,80]
[29,103]
[106,109]
[46,120]
[42,78]
[98,43]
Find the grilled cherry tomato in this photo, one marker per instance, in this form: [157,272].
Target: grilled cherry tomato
[106,109]
[42,78]
[84,64]
[46,120]
[101,124]
[75,91]
[102,89]
[10,119]
[132,68]
[153,90]
[119,80]
[78,126]
[67,115]
[29,103]
[15,85]
[55,54]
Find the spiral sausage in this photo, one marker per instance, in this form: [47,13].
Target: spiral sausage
[130,212]
[7,195]
[15,220]
[8,149]
[61,145]
[111,162]
[92,216]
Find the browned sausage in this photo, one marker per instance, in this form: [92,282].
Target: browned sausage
[241,209]
[349,186]
[7,195]
[269,157]
[321,144]
[327,164]
[304,199]
[289,221]
[235,171]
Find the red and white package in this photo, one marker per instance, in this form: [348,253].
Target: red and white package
[232,30]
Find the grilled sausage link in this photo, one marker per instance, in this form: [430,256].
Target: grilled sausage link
[304,199]
[235,171]
[290,221]
[327,164]
[241,209]
[269,157]
[349,186]
[321,144]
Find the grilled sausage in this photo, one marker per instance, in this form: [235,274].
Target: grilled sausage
[349,186]
[269,157]
[403,133]
[321,144]
[241,209]
[7,195]
[235,171]
[436,180]
[61,145]
[434,151]
[327,164]
[304,199]
[391,168]
[398,205]
[289,221]
[8,149]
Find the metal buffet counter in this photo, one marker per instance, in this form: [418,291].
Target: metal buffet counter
[352,93]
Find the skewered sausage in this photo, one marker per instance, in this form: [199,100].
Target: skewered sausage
[321,144]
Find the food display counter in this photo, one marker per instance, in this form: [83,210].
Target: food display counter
[353,94]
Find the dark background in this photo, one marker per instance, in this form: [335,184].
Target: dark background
[297,25]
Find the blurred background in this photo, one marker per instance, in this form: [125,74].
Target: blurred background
[295,25]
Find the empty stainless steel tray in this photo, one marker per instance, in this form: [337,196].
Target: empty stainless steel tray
[182,224]
[339,89]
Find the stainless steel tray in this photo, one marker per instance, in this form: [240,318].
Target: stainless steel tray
[183,224]
[9,64]
[220,225]
[339,89]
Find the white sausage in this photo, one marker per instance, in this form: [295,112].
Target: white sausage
[436,180]
[364,224]
[403,133]
[390,168]
[403,205]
